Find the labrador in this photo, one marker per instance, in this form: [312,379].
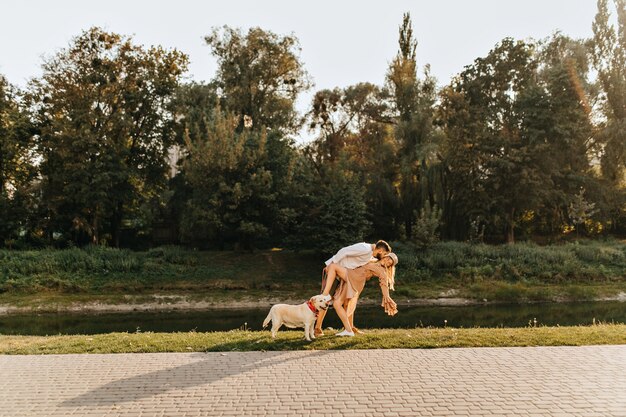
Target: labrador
[301,315]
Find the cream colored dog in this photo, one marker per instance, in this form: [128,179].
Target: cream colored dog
[301,315]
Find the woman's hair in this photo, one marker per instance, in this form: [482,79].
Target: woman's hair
[391,276]
[390,272]
[381,244]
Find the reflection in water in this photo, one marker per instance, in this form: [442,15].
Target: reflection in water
[497,315]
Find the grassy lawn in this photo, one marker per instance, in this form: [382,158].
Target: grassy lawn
[293,340]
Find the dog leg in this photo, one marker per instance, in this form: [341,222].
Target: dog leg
[307,331]
[275,327]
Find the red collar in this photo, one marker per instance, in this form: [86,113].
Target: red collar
[312,307]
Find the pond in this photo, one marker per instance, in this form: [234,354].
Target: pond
[493,315]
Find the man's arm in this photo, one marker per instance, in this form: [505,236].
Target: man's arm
[357,249]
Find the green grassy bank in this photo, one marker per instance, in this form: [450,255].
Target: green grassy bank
[293,340]
[522,272]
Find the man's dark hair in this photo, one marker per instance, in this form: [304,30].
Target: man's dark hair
[381,244]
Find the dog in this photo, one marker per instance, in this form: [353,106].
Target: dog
[301,315]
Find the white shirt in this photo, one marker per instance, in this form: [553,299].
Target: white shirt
[353,256]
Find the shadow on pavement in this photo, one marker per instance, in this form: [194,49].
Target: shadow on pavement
[207,368]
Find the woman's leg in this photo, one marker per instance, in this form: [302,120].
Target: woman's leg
[341,312]
[346,306]
[351,307]
[332,271]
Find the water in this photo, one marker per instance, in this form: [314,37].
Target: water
[499,315]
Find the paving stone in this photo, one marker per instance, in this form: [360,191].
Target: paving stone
[544,381]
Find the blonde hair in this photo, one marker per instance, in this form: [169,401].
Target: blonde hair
[391,276]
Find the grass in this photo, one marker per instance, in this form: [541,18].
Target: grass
[522,272]
[107,270]
[241,340]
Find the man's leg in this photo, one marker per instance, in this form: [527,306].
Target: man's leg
[319,322]
[320,316]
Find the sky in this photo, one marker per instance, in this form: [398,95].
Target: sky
[343,42]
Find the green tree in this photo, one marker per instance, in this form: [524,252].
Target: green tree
[493,166]
[354,126]
[413,100]
[102,108]
[17,169]
[259,77]
[518,138]
[335,211]
[580,210]
[561,118]
[608,53]
[232,196]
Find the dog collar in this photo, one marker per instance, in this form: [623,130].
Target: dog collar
[312,308]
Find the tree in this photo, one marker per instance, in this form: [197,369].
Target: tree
[232,196]
[259,77]
[562,120]
[17,169]
[335,211]
[414,101]
[354,127]
[102,108]
[580,210]
[608,53]
[494,165]
[518,137]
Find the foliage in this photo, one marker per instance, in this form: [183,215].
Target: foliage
[260,76]
[99,270]
[608,53]
[17,170]
[109,147]
[336,213]
[580,210]
[413,101]
[425,228]
[475,270]
[101,107]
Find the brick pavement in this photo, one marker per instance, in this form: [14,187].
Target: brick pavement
[537,381]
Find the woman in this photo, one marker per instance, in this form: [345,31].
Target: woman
[352,282]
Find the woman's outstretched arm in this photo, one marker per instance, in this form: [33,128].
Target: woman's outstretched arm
[390,306]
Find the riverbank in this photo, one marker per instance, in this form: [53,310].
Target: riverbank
[99,279]
[604,334]
[177,302]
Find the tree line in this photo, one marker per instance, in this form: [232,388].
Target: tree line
[112,146]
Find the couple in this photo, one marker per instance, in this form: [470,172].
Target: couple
[354,265]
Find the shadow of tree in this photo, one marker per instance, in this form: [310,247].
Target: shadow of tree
[206,368]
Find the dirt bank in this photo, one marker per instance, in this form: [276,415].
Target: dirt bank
[183,303]
[159,302]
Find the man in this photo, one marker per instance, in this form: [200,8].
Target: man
[352,257]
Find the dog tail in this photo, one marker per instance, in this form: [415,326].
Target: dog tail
[267,319]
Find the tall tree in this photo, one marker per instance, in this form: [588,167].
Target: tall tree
[414,101]
[102,107]
[354,127]
[491,161]
[259,76]
[561,119]
[608,53]
[17,168]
